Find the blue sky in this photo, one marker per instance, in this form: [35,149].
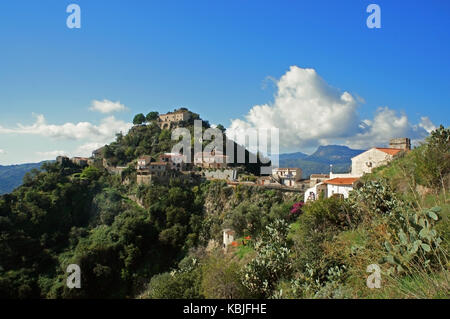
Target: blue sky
[219,59]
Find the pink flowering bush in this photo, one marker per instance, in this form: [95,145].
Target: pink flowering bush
[296,209]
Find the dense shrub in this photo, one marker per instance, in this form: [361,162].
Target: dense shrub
[271,263]
[222,278]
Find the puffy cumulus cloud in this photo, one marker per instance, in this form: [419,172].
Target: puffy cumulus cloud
[105,131]
[309,112]
[306,110]
[387,124]
[107,106]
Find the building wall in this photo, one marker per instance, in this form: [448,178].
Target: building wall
[281,172]
[228,237]
[341,175]
[310,194]
[175,162]
[338,189]
[210,161]
[116,170]
[168,119]
[403,143]
[316,180]
[143,179]
[365,162]
[228,174]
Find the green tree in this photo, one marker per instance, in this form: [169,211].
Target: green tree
[139,119]
[221,127]
[432,160]
[91,173]
[152,116]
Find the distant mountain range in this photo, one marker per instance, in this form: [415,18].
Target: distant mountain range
[11,176]
[319,162]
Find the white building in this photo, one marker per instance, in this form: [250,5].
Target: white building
[340,186]
[228,237]
[143,161]
[313,193]
[365,162]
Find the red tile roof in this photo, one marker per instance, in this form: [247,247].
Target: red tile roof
[391,151]
[342,181]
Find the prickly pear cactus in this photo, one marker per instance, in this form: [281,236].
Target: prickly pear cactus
[415,240]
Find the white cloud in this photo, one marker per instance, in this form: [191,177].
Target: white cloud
[306,109]
[105,131]
[426,123]
[51,154]
[107,106]
[79,139]
[2,152]
[309,112]
[86,149]
[386,124]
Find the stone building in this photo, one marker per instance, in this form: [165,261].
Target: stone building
[169,120]
[287,176]
[402,143]
[98,153]
[158,168]
[315,179]
[62,159]
[146,170]
[80,161]
[175,161]
[227,174]
[214,160]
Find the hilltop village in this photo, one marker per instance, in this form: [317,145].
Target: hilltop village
[142,222]
[214,165]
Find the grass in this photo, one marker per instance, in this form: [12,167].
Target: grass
[243,250]
[419,285]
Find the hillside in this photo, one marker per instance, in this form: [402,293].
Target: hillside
[11,175]
[397,221]
[165,240]
[319,162]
